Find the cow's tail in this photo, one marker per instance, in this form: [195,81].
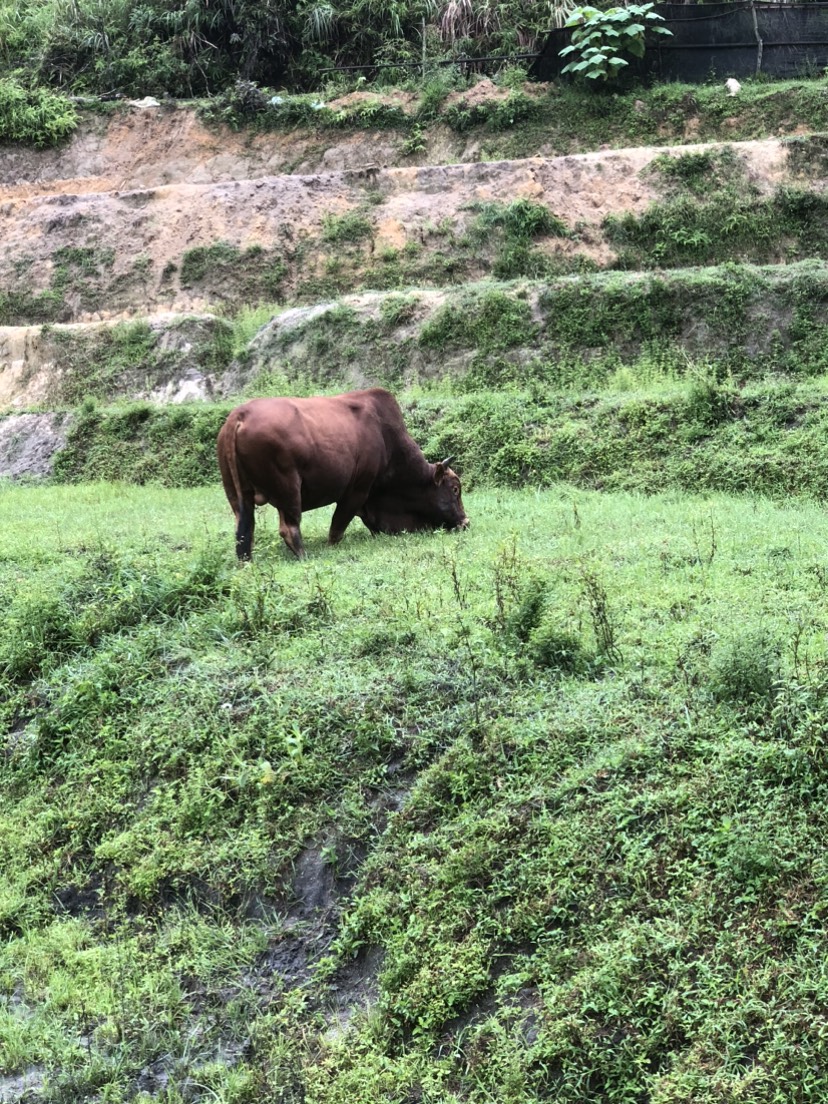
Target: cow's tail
[241,503]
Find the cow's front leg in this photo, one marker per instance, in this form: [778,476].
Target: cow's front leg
[344,514]
[291,533]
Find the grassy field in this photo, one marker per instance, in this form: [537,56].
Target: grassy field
[531,812]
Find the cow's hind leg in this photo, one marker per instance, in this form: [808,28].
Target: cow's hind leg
[291,533]
[245,525]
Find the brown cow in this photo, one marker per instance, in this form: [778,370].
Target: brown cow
[353,449]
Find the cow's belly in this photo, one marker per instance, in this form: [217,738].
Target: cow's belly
[315,494]
[315,488]
[308,466]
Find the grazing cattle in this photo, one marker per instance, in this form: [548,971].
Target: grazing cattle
[352,449]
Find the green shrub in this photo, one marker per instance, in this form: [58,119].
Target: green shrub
[599,38]
[350,227]
[745,670]
[34,116]
[525,618]
[709,401]
[558,649]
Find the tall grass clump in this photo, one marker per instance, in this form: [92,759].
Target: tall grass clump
[34,116]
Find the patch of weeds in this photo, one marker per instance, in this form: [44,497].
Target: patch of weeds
[396,310]
[81,271]
[604,623]
[709,400]
[521,220]
[495,115]
[745,670]
[724,223]
[507,230]
[808,155]
[140,443]
[415,143]
[197,263]
[131,358]
[350,227]
[488,321]
[37,629]
[238,275]
[558,649]
[248,322]
[24,307]
[701,172]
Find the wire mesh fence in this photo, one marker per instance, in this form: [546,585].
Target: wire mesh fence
[714,41]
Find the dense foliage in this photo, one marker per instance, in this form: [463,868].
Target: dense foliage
[600,39]
[34,116]
[187,49]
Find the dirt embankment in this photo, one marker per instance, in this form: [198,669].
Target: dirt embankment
[111,226]
[128,202]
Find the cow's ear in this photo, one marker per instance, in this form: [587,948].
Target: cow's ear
[440,469]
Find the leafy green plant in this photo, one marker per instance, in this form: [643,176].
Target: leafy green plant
[350,227]
[33,115]
[415,143]
[600,38]
[745,670]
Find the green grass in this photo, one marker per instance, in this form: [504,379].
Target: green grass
[566,333]
[651,426]
[557,785]
[566,119]
[117,361]
[531,812]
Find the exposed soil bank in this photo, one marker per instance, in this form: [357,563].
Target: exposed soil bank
[121,253]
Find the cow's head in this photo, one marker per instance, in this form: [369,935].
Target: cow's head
[446,497]
[435,503]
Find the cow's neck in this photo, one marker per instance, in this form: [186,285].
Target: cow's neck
[407,465]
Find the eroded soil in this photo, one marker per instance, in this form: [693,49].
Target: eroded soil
[105,228]
[151,188]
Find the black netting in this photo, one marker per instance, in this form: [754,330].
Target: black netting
[714,41]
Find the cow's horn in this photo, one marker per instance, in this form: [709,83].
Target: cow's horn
[447,461]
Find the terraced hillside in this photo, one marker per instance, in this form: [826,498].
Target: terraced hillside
[141,260]
[535,811]
[532,811]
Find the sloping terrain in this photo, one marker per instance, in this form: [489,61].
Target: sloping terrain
[148,215]
[114,247]
[535,811]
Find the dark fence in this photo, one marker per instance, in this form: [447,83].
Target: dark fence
[715,41]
